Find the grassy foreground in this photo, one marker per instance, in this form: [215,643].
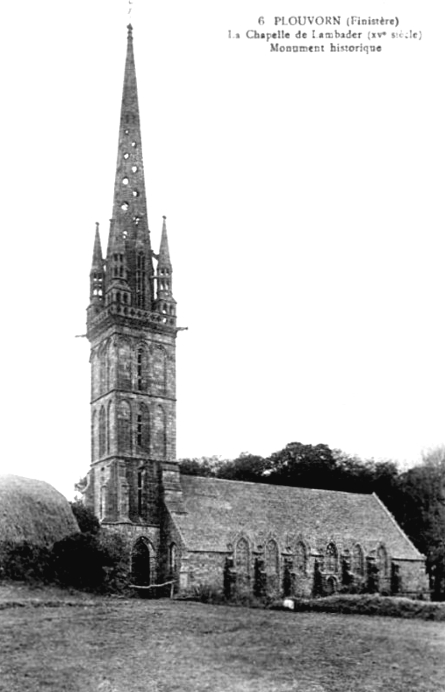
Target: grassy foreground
[100,645]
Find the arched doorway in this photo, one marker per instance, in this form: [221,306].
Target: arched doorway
[140,563]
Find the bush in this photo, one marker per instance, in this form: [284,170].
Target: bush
[205,593]
[26,562]
[78,562]
[85,517]
[373,605]
[92,562]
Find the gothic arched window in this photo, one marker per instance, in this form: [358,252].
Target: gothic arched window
[272,558]
[93,436]
[103,369]
[102,432]
[124,365]
[242,558]
[160,369]
[143,428]
[160,427]
[110,425]
[124,427]
[141,478]
[141,369]
[358,560]
[331,560]
[300,557]
[382,561]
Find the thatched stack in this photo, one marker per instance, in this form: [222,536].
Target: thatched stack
[33,512]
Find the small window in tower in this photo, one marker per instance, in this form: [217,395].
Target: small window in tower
[139,430]
[118,297]
[134,145]
[121,258]
[140,486]
[126,155]
[124,181]
[126,132]
[121,271]
[135,193]
[134,169]
[124,206]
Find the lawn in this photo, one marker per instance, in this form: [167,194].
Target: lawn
[106,645]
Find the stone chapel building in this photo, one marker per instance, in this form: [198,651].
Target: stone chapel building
[190,529]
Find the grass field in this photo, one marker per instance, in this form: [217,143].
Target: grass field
[100,645]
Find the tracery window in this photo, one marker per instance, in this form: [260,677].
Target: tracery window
[300,557]
[382,561]
[331,559]
[358,560]
[271,558]
[242,558]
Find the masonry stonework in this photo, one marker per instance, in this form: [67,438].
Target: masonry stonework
[232,536]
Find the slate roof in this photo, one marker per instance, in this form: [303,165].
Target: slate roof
[218,511]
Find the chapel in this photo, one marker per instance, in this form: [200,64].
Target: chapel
[191,530]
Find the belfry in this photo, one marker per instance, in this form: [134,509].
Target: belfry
[131,326]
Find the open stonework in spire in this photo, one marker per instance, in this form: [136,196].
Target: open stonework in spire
[128,284]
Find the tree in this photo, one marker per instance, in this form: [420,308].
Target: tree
[199,466]
[309,466]
[421,513]
[246,467]
[85,517]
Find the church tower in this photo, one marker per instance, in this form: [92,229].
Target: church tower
[131,326]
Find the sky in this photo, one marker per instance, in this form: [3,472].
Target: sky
[303,195]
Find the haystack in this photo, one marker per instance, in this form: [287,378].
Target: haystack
[34,512]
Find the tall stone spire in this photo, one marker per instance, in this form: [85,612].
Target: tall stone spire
[129,248]
[132,332]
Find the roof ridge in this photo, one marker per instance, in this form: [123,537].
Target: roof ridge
[276,485]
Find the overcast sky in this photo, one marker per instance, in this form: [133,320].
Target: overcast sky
[304,204]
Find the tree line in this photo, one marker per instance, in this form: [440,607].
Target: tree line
[415,497]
